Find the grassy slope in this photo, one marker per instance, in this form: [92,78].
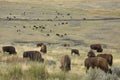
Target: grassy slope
[104,32]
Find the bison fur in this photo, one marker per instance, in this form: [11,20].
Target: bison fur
[65,63]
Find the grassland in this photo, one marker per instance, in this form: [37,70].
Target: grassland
[80,34]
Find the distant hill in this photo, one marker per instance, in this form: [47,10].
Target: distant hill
[110,8]
[61,1]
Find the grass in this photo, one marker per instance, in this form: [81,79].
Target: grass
[16,68]
[80,35]
[97,74]
[38,71]
[50,70]
[13,72]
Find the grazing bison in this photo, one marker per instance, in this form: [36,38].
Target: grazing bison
[75,51]
[57,34]
[65,63]
[96,47]
[9,49]
[91,53]
[108,57]
[98,62]
[33,55]
[66,45]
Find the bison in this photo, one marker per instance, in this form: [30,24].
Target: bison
[96,47]
[33,55]
[65,63]
[39,44]
[9,49]
[98,62]
[75,51]
[91,53]
[43,47]
[66,45]
[108,57]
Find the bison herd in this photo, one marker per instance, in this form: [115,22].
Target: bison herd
[102,61]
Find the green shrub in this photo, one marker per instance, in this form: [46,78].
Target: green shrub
[57,76]
[13,73]
[97,74]
[116,71]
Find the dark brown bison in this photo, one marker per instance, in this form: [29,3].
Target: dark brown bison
[9,49]
[96,47]
[75,51]
[91,53]
[57,34]
[108,57]
[33,55]
[65,63]
[97,62]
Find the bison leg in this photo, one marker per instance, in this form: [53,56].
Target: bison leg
[61,67]
[68,67]
[87,69]
[71,53]
[110,71]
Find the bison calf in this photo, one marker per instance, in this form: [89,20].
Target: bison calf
[9,49]
[75,51]
[65,63]
[33,55]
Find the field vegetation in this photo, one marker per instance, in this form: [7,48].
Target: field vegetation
[24,35]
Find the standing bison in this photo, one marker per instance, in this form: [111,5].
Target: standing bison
[98,62]
[33,55]
[39,44]
[65,63]
[9,49]
[43,47]
[96,47]
[108,57]
[75,51]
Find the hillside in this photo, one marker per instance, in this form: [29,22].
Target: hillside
[24,23]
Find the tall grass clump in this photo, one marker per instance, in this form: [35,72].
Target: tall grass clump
[13,72]
[57,76]
[116,71]
[64,76]
[37,71]
[97,74]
